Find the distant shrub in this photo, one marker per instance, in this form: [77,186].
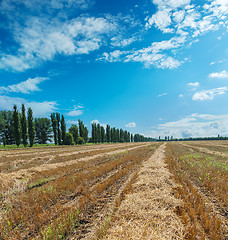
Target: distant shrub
[81,140]
[69,139]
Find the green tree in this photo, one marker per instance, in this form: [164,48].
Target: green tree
[117,135]
[86,133]
[7,126]
[69,139]
[98,133]
[63,130]
[43,130]
[121,135]
[24,131]
[125,136]
[16,126]
[54,127]
[58,128]
[31,127]
[4,140]
[80,140]
[132,138]
[108,134]
[128,137]
[102,134]
[83,131]
[74,131]
[112,132]
[2,127]
[94,132]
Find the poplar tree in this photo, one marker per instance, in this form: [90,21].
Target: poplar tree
[102,134]
[43,130]
[63,130]
[58,128]
[31,127]
[132,138]
[83,131]
[93,132]
[117,135]
[121,135]
[54,127]
[98,133]
[112,135]
[16,126]
[24,132]
[108,134]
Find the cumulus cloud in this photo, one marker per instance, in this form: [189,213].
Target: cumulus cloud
[181,95]
[131,125]
[28,86]
[209,94]
[40,109]
[161,20]
[201,125]
[222,74]
[194,84]
[78,110]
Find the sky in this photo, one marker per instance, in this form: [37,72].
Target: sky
[153,67]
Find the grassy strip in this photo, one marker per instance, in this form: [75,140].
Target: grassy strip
[196,214]
[22,146]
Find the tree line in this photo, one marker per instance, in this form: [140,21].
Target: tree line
[17,128]
[20,127]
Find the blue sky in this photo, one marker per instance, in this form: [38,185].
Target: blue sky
[154,67]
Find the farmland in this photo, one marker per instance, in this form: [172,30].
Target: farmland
[171,190]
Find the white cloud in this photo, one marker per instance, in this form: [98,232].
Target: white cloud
[209,94]
[163,94]
[181,95]
[72,122]
[123,42]
[161,20]
[222,74]
[98,122]
[173,4]
[95,121]
[41,40]
[220,61]
[28,86]
[183,19]
[194,125]
[194,84]
[78,110]
[131,125]
[40,109]
[178,16]
[155,55]
[41,6]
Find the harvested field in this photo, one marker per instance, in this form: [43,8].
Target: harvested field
[115,191]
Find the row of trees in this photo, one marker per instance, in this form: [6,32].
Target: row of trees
[16,128]
[101,135]
[21,128]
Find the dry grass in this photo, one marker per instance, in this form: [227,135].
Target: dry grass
[147,212]
[49,204]
[199,183]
